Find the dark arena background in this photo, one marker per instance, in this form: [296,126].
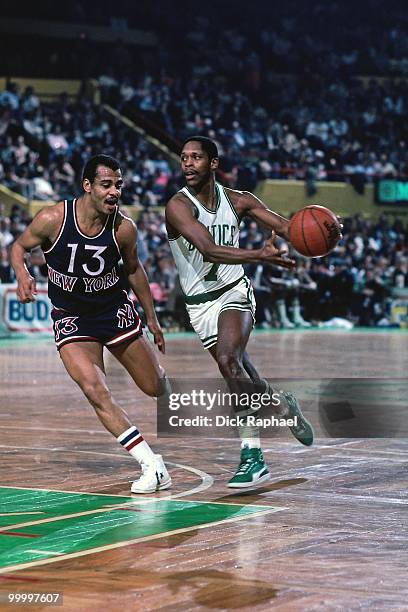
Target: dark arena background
[307,102]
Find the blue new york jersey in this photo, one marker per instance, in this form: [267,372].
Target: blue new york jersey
[83,271]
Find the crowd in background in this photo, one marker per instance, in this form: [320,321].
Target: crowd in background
[279,89]
[43,148]
[336,131]
[356,282]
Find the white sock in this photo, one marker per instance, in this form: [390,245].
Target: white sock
[133,441]
[249,435]
[250,443]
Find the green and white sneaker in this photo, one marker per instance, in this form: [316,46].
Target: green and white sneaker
[251,471]
[303,431]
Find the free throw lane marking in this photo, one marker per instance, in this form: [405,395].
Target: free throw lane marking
[103,513]
[106,507]
[63,557]
[65,535]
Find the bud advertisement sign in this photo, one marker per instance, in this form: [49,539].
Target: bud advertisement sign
[31,317]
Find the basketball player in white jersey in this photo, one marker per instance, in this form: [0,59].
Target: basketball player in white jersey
[203,228]
[83,242]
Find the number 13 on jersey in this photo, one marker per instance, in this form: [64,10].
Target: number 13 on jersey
[97,255]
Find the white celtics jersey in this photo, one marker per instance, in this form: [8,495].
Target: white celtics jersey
[197,276]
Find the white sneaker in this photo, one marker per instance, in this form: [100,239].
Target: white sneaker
[155,477]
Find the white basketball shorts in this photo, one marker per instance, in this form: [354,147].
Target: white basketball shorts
[204,316]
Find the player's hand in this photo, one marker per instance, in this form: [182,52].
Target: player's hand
[273,255]
[157,332]
[26,289]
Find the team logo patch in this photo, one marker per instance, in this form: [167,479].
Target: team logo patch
[65,327]
[126,316]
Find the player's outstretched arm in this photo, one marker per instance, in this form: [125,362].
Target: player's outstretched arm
[44,226]
[180,220]
[126,235]
[253,207]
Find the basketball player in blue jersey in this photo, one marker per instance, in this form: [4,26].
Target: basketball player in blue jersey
[203,228]
[83,242]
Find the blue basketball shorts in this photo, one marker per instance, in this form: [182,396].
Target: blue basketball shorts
[117,326]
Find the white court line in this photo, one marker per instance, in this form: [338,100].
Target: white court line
[64,491]
[109,508]
[125,503]
[23,428]
[16,513]
[207,480]
[371,451]
[14,568]
[44,552]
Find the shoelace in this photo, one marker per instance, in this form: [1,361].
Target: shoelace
[245,466]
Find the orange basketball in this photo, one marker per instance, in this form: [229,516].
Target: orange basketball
[314,231]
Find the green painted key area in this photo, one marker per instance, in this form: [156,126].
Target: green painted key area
[21,543]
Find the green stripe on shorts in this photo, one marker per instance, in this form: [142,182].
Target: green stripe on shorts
[209,338]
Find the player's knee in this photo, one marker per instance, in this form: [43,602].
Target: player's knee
[163,386]
[229,363]
[96,393]
[156,387]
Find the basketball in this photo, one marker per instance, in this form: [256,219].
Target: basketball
[314,231]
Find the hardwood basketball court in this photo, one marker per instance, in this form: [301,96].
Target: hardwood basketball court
[326,533]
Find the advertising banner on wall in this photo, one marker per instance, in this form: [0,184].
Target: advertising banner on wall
[34,317]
